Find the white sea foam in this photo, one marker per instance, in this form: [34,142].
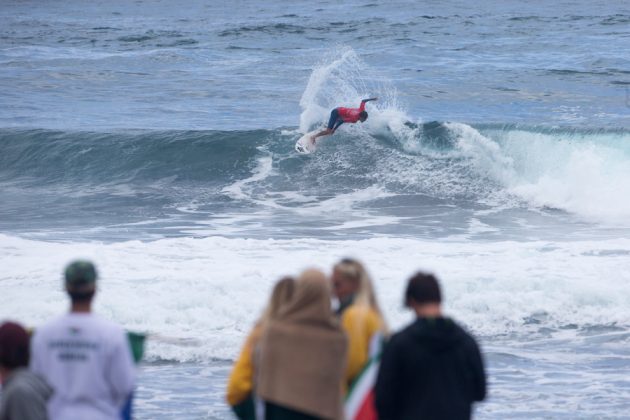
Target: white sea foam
[587,176]
[206,293]
[583,174]
[44,53]
[345,203]
[263,169]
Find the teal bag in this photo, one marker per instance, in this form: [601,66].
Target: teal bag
[245,410]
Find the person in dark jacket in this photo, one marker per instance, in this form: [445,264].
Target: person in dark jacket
[433,369]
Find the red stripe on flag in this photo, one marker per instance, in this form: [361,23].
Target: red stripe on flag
[368,409]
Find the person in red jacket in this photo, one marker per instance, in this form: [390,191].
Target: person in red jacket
[342,115]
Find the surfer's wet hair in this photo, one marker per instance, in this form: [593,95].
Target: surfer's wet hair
[363,115]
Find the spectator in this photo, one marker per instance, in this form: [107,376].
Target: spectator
[24,394]
[240,383]
[360,315]
[302,356]
[85,358]
[432,369]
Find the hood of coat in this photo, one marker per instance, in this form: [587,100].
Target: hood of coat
[437,334]
[26,379]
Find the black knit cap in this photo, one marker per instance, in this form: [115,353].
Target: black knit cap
[14,342]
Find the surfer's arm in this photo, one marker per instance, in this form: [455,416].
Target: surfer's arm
[363,102]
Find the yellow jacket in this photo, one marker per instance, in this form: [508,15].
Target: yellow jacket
[241,381]
[360,323]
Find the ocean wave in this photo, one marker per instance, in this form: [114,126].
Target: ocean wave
[578,171]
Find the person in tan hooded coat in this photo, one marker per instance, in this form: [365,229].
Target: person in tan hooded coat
[303,356]
[241,381]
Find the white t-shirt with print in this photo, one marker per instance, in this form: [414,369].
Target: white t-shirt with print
[87,361]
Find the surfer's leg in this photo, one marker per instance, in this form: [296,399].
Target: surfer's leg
[332,122]
[326,132]
[334,116]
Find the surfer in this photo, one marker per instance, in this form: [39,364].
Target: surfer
[342,115]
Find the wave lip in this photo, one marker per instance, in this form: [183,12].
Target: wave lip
[580,172]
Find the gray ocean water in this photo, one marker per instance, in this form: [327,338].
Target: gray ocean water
[156,138]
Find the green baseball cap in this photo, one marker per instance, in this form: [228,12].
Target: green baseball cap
[80,273]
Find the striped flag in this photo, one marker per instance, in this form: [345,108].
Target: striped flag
[359,403]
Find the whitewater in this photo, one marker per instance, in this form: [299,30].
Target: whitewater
[158,142]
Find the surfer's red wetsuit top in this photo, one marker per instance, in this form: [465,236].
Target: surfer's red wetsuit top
[351,115]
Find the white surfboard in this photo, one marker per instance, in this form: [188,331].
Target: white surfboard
[305,145]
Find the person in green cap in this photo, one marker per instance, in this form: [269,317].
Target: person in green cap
[85,358]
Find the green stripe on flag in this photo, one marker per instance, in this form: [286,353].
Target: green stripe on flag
[136,343]
[367,366]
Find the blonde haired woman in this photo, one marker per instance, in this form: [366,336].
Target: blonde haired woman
[241,381]
[360,314]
